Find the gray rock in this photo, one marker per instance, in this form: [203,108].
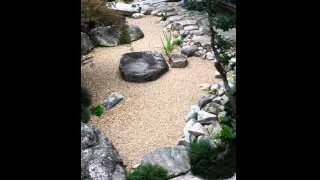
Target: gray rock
[175,159]
[178,60]
[203,22]
[190,27]
[174,18]
[99,158]
[86,44]
[214,128]
[147,10]
[203,56]
[196,32]
[182,142]
[213,108]
[188,176]
[204,41]
[210,56]
[142,66]
[135,32]
[192,113]
[217,99]
[113,99]
[188,50]
[180,24]
[205,30]
[183,33]
[206,118]
[221,91]
[154,13]
[188,125]
[205,99]
[224,100]
[214,87]
[217,75]
[173,13]
[137,15]
[197,54]
[165,9]
[106,36]
[198,130]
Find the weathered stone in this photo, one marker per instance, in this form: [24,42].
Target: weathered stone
[210,55]
[173,13]
[217,99]
[182,142]
[180,24]
[205,30]
[99,158]
[174,18]
[198,130]
[205,117]
[125,9]
[222,114]
[178,60]
[205,99]
[205,86]
[214,87]
[204,41]
[135,32]
[137,15]
[213,108]
[196,32]
[175,159]
[190,27]
[224,100]
[188,50]
[106,36]
[188,125]
[192,113]
[217,75]
[147,10]
[197,54]
[183,33]
[142,66]
[86,44]
[113,99]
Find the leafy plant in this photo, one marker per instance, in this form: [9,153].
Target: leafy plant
[125,37]
[193,5]
[225,119]
[85,97]
[178,41]
[85,115]
[226,135]
[148,172]
[210,162]
[97,110]
[164,16]
[168,46]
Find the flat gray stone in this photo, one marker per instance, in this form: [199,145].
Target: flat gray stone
[142,66]
[205,99]
[213,108]
[202,40]
[188,125]
[206,118]
[196,32]
[174,18]
[175,159]
[188,50]
[135,32]
[198,130]
[178,60]
[112,100]
[190,27]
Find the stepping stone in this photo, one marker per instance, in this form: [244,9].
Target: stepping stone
[142,66]
[178,60]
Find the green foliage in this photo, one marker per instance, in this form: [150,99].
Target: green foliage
[225,119]
[148,172]
[224,22]
[97,110]
[125,37]
[164,16]
[207,163]
[85,115]
[178,41]
[194,5]
[126,1]
[226,135]
[168,46]
[195,116]
[85,97]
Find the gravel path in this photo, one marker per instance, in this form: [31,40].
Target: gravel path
[152,114]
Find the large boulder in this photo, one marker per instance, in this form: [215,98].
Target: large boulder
[99,158]
[142,66]
[135,32]
[86,44]
[175,159]
[106,36]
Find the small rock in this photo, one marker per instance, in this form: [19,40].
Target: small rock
[182,142]
[174,18]
[205,100]
[204,50]
[197,54]
[192,113]
[203,56]
[221,92]
[113,99]
[213,108]
[175,34]
[178,60]
[200,48]
[137,15]
[147,10]
[217,99]
[188,50]
[209,55]
[198,130]
[191,43]
[206,118]
[205,87]
[196,32]
[224,100]
[214,128]
[188,125]
[217,75]
[190,27]
[214,87]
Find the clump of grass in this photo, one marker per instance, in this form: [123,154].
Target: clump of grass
[168,46]
[85,97]
[210,162]
[148,172]
[125,37]
[85,115]
[164,16]
[97,110]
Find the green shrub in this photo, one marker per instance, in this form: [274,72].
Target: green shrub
[125,37]
[85,115]
[209,162]
[178,41]
[226,135]
[194,5]
[85,97]
[97,110]
[148,172]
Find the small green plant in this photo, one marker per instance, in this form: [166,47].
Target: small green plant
[148,172]
[85,97]
[85,115]
[195,116]
[206,161]
[164,16]
[225,119]
[97,110]
[168,46]
[194,5]
[178,41]
[226,135]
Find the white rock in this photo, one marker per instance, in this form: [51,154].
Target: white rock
[217,99]
[137,15]
[224,100]
[198,130]
[210,55]
[193,110]
[214,87]
[206,118]
[135,166]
